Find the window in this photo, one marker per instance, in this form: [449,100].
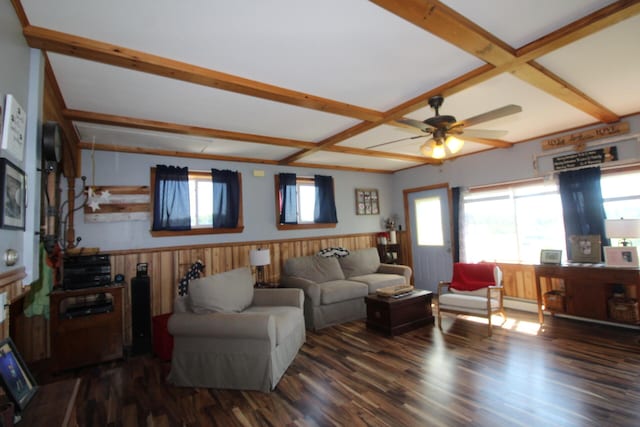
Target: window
[304,202]
[201,206]
[512,223]
[621,197]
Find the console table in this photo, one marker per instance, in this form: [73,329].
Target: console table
[587,289]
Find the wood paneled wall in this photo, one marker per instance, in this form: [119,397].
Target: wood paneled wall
[168,265]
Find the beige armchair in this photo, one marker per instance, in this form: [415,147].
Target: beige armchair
[229,335]
[475,290]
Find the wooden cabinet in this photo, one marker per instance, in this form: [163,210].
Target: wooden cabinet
[589,290]
[86,326]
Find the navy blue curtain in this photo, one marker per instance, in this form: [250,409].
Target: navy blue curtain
[288,198]
[325,209]
[582,207]
[226,198]
[171,209]
[455,217]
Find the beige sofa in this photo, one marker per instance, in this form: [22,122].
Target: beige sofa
[229,335]
[335,288]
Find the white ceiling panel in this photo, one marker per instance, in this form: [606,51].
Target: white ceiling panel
[520,22]
[604,67]
[351,160]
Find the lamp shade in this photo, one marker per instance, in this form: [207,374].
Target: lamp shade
[258,257]
[622,228]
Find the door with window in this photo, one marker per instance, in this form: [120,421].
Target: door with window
[430,236]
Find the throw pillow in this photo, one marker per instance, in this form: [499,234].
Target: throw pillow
[228,292]
[359,263]
[315,268]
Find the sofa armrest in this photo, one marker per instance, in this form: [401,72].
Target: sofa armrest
[401,270]
[224,325]
[278,297]
[311,289]
[442,285]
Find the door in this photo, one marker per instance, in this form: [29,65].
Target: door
[430,237]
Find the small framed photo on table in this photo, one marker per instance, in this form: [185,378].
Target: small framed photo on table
[550,256]
[621,256]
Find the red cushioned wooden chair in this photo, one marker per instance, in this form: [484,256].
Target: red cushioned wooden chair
[474,290]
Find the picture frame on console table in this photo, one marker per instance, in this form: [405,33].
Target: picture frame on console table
[586,248]
[17,381]
[550,256]
[621,256]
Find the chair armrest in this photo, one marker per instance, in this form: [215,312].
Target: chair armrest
[442,285]
[311,289]
[401,270]
[278,297]
[224,325]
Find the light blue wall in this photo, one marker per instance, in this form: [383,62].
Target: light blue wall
[258,201]
[505,165]
[21,76]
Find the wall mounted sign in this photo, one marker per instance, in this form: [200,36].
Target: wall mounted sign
[585,158]
[13,131]
[122,203]
[585,136]
[367,202]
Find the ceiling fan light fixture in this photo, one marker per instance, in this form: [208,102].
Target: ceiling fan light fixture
[454,144]
[437,150]
[426,150]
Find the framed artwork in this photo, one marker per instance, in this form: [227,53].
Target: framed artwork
[14,128]
[550,256]
[585,248]
[17,381]
[367,202]
[621,256]
[12,195]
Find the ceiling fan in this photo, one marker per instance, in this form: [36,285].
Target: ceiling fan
[445,129]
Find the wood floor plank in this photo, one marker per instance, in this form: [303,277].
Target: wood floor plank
[568,373]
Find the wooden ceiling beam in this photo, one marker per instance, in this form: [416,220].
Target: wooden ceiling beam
[447,24]
[93,50]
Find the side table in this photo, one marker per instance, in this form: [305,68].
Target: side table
[394,316]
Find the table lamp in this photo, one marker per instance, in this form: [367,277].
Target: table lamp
[258,259]
[622,229]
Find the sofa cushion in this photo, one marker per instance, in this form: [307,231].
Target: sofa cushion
[379,280]
[459,301]
[315,268]
[287,319]
[469,277]
[359,263]
[227,292]
[342,290]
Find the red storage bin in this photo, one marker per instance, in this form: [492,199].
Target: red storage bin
[162,340]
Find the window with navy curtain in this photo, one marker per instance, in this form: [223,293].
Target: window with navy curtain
[582,207]
[325,209]
[226,198]
[288,198]
[171,199]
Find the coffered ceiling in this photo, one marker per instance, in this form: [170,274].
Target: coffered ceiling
[318,83]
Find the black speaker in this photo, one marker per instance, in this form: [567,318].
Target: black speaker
[141,315]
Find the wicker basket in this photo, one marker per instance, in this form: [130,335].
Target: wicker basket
[554,301]
[624,310]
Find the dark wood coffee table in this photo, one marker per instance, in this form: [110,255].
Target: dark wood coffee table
[394,316]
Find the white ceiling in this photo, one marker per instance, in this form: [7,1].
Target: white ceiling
[347,51]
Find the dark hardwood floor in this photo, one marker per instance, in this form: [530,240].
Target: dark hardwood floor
[570,373]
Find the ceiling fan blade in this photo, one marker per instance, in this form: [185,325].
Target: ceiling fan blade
[416,124]
[483,133]
[498,113]
[395,140]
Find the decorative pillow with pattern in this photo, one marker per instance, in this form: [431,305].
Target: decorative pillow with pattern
[334,252]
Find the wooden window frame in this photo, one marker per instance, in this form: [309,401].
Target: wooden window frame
[305,226]
[200,230]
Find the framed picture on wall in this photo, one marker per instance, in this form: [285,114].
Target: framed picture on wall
[12,195]
[621,256]
[367,202]
[585,248]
